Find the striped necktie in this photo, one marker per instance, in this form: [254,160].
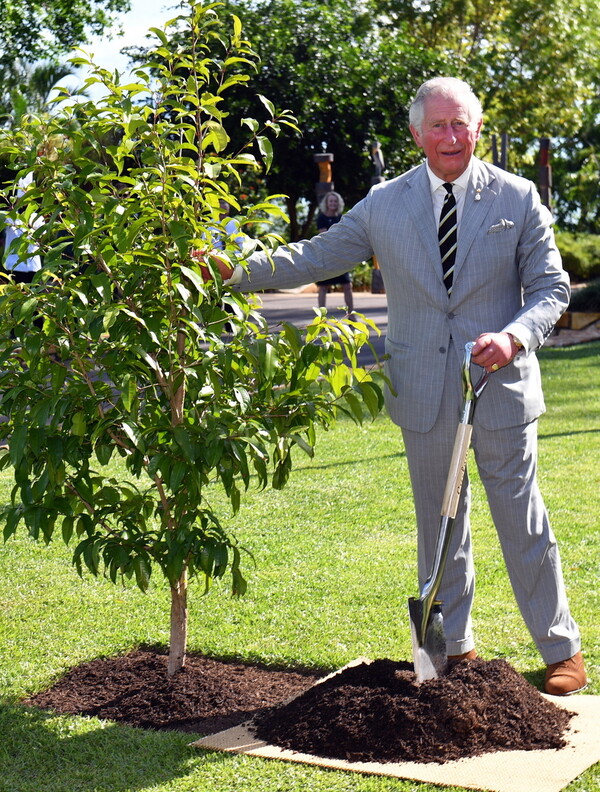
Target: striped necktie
[447,235]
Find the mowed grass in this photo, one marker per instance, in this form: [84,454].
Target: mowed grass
[334,563]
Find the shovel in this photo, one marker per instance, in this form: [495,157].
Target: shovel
[426,622]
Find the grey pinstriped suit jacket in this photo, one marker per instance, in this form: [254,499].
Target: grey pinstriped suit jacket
[507,269]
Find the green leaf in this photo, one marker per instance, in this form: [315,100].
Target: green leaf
[266,149]
[67,529]
[269,360]
[215,136]
[180,235]
[26,309]
[268,104]
[12,516]
[104,453]
[133,433]
[17,444]
[299,440]
[128,392]
[237,26]
[372,397]
[178,474]
[142,571]
[193,277]
[183,441]
[79,424]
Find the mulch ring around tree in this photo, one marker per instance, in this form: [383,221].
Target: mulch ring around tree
[206,696]
[368,712]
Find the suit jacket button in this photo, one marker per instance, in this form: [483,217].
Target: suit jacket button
[443,350]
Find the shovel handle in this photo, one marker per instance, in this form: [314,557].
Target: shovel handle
[462,441]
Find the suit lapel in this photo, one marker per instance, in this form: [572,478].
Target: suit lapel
[420,211]
[479,200]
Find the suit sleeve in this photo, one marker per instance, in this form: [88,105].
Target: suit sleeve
[545,283]
[345,244]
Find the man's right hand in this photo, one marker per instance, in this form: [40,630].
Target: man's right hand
[223,266]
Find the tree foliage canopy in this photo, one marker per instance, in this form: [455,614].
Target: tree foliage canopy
[533,63]
[33,30]
[44,30]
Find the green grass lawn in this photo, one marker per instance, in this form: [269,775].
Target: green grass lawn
[334,565]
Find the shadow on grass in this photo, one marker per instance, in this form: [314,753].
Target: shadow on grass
[359,459]
[575,352]
[535,678]
[44,752]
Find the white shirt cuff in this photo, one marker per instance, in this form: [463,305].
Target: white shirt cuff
[524,334]
[236,276]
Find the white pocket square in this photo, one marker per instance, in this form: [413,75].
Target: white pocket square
[501,225]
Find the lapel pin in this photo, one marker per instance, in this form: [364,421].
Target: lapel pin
[478,194]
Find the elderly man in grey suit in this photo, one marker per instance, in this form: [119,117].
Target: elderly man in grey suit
[502,284]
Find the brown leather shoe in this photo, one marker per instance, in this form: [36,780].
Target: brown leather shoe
[454,659]
[566,677]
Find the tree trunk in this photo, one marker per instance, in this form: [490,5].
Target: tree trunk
[178,642]
[293,216]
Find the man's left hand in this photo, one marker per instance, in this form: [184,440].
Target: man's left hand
[493,350]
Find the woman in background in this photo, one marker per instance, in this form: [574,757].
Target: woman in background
[331,209]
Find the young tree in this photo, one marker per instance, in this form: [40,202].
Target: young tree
[121,349]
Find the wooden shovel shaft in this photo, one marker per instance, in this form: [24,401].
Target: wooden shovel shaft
[456,474]
[454,483]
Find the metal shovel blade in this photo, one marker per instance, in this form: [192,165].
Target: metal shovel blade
[428,640]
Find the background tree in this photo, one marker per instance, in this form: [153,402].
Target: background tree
[33,30]
[32,86]
[133,354]
[533,63]
[575,169]
[349,70]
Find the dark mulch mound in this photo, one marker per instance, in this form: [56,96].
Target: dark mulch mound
[371,712]
[204,697]
[378,713]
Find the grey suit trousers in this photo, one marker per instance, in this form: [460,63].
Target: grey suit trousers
[506,461]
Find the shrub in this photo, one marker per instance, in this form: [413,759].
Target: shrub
[580,254]
[586,299]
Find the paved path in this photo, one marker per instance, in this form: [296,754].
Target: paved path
[298,309]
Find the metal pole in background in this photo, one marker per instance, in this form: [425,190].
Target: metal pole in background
[545,174]
[377,286]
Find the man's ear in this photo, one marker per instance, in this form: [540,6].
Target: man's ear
[416,136]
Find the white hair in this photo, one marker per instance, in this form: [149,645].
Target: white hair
[449,87]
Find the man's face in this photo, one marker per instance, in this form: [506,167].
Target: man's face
[448,137]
